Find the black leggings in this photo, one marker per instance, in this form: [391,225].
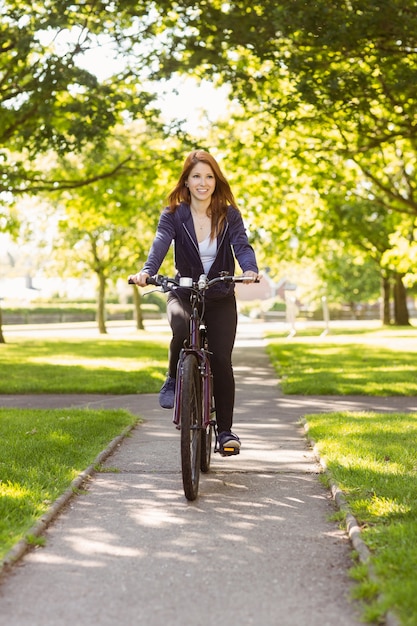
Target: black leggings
[221,321]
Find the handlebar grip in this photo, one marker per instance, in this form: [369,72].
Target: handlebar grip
[243,279]
[151,280]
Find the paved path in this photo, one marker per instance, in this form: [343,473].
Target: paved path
[257,547]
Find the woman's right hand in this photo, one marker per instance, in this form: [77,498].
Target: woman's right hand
[139,279]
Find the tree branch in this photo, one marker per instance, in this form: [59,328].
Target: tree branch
[38,185]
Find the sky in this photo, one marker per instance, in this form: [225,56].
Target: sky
[192,101]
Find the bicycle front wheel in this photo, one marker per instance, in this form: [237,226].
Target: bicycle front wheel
[190,420]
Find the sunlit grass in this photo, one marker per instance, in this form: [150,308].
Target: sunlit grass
[382,363]
[41,452]
[103,365]
[373,459]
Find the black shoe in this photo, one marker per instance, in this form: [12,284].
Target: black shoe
[167,393]
[228,443]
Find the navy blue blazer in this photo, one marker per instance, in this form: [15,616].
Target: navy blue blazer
[178,227]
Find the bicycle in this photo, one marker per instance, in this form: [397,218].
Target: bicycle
[194,409]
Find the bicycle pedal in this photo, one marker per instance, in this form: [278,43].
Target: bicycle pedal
[229,451]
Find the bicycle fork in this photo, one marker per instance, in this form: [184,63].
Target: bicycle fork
[209,409]
[208,412]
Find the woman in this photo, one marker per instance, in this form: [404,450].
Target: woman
[208,233]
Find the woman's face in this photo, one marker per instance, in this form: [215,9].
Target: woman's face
[201,182]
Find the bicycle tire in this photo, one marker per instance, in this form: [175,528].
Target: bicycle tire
[191,426]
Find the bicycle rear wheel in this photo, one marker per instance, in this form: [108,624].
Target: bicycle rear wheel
[191,428]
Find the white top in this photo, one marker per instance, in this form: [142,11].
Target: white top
[208,251]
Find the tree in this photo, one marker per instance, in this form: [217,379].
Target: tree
[360,219]
[348,277]
[8,223]
[353,63]
[301,207]
[402,256]
[48,100]
[319,82]
[106,227]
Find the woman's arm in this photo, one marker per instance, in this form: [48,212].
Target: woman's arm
[241,247]
[164,235]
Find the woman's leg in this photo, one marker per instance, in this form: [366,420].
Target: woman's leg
[221,320]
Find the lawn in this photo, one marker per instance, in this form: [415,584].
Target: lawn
[104,365]
[373,459]
[41,452]
[373,363]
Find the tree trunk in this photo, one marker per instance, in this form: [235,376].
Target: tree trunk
[137,299]
[2,339]
[385,305]
[401,315]
[101,304]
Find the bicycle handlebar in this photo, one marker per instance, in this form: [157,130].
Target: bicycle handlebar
[203,283]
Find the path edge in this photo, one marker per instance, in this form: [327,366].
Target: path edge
[39,527]
[352,526]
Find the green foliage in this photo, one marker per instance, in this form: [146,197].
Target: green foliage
[58,307]
[48,100]
[278,305]
[155,299]
[107,226]
[41,452]
[328,98]
[348,278]
[402,255]
[321,150]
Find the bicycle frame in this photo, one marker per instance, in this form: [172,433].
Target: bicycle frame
[194,341]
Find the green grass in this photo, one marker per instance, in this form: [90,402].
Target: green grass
[373,363]
[105,365]
[41,452]
[373,459]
